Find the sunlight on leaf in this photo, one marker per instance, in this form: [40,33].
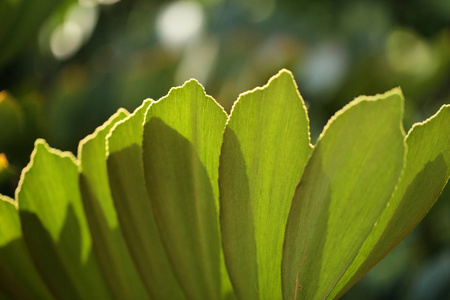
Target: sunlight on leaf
[265,148]
[425,174]
[345,186]
[178,200]
[127,183]
[18,279]
[55,227]
[112,254]
[182,138]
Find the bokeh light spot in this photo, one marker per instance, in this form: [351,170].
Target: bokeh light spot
[77,28]
[3,162]
[107,2]
[66,39]
[407,53]
[179,22]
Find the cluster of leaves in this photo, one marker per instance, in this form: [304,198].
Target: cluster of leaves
[178,200]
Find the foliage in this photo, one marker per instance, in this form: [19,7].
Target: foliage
[179,200]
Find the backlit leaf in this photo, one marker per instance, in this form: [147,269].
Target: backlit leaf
[18,277]
[182,138]
[126,178]
[54,226]
[345,186]
[110,249]
[265,148]
[425,174]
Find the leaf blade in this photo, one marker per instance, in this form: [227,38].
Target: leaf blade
[127,183]
[328,220]
[182,137]
[266,146]
[18,277]
[426,171]
[109,246]
[54,226]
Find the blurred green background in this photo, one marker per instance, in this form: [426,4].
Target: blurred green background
[66,66]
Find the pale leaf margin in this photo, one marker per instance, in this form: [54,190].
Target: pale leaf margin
[258,282]
[370,259]
[358,100]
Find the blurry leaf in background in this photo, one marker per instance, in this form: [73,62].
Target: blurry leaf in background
[5,169]
[11,120]
[20,21]
[68,29]
[408,54]
[3,162]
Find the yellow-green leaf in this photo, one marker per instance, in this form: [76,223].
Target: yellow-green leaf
[54,226]
[111,251]
[266,146]
[182,138]
[426,171]
[18,277]
[346,184]
[126,178]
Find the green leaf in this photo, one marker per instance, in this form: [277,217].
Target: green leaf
[139,216]
[111,251]
[181,146]
[346,185]
[54,226]
[425,175]
[127,183]
[266,146]
[18,277]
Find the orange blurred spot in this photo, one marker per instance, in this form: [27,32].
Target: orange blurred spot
[3,95]
[3,160]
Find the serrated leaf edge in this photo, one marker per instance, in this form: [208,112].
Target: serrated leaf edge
[400,180]
[266,86]
[124,120]
[41,143]
[96,132]
[8,199]
[173,89]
